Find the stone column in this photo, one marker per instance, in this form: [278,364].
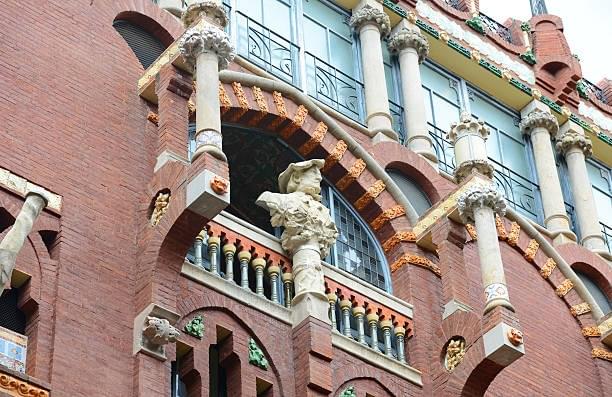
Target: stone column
[469,137]
[370,21]
[575,147]
[308,235]
[479,204]
[538,122]
[207,49]
[14,239]
[412,48]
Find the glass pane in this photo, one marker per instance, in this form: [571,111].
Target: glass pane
[438,83]
[603,202]
[327,16]
[391,92]
[342,54]
[599,177]
[315,39]
[251,8]
[427,96]
[492,115]
[277,17]
[445,113]
[515,156]
[493,149]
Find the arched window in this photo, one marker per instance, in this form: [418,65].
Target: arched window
[11,317]
[411,190]
[600,296]
[255,161]
[145,46]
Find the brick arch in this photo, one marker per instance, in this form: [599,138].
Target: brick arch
[149,16]
[235,315]
[581,259]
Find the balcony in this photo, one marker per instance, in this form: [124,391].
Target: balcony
[247,264]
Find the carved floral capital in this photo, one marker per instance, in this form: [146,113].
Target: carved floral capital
[409,38]
[479,197]
[540,119]
[368,14]
[571,140]
[209,9]
[207,39]
[468,125]
[466,168]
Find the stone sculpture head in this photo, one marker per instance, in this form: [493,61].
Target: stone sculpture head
[304,177]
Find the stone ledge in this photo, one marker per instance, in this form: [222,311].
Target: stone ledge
[236,292]
[377,359]
[22,187]
[13,383]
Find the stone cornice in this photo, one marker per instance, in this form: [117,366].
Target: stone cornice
[573,139]
[208,38]
[409,38]
[369,14]
[479,197]
[539,119]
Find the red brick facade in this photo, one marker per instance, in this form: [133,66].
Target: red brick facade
[72,122]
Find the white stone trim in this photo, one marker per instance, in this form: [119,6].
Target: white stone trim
[249,231]
[377,359]
[461,33]
[234,291]
[603,121]
[22,187]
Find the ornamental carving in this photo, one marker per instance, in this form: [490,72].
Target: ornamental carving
[409,38]
[315,140]
[501,228]
[591,332]
[571,140]
[581,308]
[159,332]
[160,207]
[515,336]
[540,119]
[16,387]
[195,327]
[153,118]
[548,268]
[335,155]
[601,353]
[468,167]
[224,99]
[468,125]
[455,351]
[479,197]
[349,392]
[471,231]
[515,232]
[353,173]
[279,102]
[198,40]
[373,191]
[260,100]
[387,215]
[307,223]
[371,15]
[564,287]
[240,95]
[417,261]
[405,236]
[531,250]
[208,9]
[219,185]
[256,356]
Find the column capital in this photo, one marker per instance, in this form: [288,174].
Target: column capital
[465,169]
[211,10]
[409,38]
[468,125]
[479,197]
[573,139]
[371,15]
[198,40]
[539,119]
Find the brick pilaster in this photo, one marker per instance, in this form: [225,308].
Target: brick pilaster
[313,354]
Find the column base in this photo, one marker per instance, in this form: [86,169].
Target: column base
[594,242]
[309,304]
[498,302]
[384,135]
[215,151]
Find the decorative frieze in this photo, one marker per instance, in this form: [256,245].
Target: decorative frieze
[501,228]
[256,356]
[403,236]
[471,231]
[279,102]
[602,354]
[260,100]
[409,38]
[590,332]
[416,260]
[531,250]
[373,191]
[581,308]
[548,268]
[371,15]
[16,387]
[153,118]
[224,99]
[571,140]
[353,173]
[387,215]
[198,40]
[564,287]
[296,123]
[315,139]
[513,236]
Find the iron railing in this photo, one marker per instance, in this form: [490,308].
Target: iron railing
[443,148]
[267,49]
[571,213]
[456,4]
[594,90]
[334,88]
[496,27]
[606,231]
[397,114]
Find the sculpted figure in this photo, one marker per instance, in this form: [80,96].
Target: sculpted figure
[454,353]
[309,230]
[158,331]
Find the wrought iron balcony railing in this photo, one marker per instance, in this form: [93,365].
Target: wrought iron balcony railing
[397,113]
[496,27]
[607,235]
[588,89]
[334,88]
[443,148]
[272,52]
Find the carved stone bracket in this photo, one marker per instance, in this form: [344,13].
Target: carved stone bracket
[540,119]
[409,38]
[153,329]
[573,139]
[478,197]
[368,14]
[206,39]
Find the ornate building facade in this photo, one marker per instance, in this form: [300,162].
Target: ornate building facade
[300,198]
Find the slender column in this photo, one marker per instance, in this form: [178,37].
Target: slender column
[359,313]
[197,247]
[332,298]
[258,265]
[345,307]
[213,248]
[469,138]
[412,48]
[480,204]
[370,21]
[541,125]
[386,326]
[273,272]
[207,49]
[288,283]
[373,324]
[400,334]
[576,147]
[14,239]
[244,257]
[229,250]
